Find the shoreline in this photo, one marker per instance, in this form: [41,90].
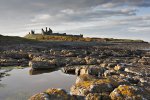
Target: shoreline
[104,69]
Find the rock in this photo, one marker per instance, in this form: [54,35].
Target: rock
[68,53]
[85,77]
[91,70]
[13,62]
[68,70]
[139,70]
[75,61]
[103,65]
[16,55]
[132,80]
[52,94]
[109,73]
[98,96]
[125,92]
[119,68]
[90,60]
[145,61]
[94,86]
[37,72]
[39,96]
[111,65]
[41,65]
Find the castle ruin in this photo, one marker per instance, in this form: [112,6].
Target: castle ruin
[49,31]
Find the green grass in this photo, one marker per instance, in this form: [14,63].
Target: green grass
[6,40]
[41,37]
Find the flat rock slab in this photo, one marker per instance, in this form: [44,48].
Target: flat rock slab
[139,70]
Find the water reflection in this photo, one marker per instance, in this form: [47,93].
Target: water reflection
[23,83]
[37,72]
[2,85]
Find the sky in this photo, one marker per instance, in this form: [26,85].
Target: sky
[93,18]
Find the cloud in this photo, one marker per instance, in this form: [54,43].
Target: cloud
[41,17]
[139,29]
[87,16]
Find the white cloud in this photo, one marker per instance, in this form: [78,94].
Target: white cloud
[41,17]
[139,29]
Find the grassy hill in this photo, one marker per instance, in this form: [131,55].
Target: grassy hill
[7,40]
[41,37]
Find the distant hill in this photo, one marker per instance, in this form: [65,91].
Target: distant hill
[41,37]
[7,40]
[30,38]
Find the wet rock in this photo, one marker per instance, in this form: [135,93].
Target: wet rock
[68,70]
[39,96]
[125,92]
[52,94]
[41,65]
[94,86]
[37,72]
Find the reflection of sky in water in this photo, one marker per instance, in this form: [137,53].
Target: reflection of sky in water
[20,85]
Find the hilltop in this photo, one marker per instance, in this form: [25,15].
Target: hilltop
[7,40]
[49,35]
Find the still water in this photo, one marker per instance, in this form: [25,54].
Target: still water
[23,83]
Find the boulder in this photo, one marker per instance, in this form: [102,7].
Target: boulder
[91,70]
[39,96]
[94,86]
[109,73]
[52,94]
[98,96]
[68,70]
[126,92]
[85,77]
[41,65]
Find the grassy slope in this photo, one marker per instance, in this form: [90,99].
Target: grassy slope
[69,38]
[6,40]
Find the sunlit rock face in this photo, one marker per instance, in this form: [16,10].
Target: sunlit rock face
[129,92]
[93,86]
[52,94]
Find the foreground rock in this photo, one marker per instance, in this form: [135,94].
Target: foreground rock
[125,92]
[94,86]
[98,96]
[53,94]
[41,65]
[85,77]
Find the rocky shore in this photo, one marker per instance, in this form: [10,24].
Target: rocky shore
[106,71]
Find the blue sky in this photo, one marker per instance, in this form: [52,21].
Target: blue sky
[93,18]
